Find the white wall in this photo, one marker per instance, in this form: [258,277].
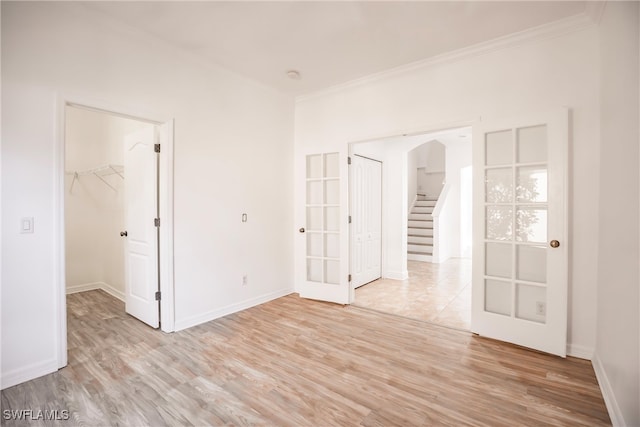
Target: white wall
[94,213]
[533,76]
[432,173]
[412,175]
[617,355]
[233,155]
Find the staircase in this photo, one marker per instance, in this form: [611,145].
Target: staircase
[420,230]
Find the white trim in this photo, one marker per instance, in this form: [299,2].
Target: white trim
[27,373]
[546,31]
[607,393]
[94,286]
[580,351]
[230,309]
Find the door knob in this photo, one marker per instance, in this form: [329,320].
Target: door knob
[554,243]
[123,233]
[301,230]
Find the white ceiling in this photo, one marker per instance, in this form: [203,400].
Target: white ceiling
[329,42]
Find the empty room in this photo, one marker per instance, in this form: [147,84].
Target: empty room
[199,200]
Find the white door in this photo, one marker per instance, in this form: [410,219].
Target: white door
[366,219]
[141,210]
[520,231]
[322,274]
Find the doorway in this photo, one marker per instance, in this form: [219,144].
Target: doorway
[426,222]
[92,216]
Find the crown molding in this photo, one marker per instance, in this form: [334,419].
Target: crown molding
[546,31]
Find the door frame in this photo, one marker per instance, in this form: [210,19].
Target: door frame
[426,129]
[165,191]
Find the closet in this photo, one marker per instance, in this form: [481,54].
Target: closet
[94,199]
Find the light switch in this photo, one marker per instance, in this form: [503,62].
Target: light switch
[26,225]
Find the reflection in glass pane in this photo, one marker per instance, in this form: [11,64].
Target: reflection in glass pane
[499,148]
[332,245]
[498,259]
[314,192]
[499,185]
[314,166]
[332,192]
[532,263]
[314,218]
[314,244]
[332,272]
[531,302]
[331,165]
[499,223]
[532,144]
[497,297]
[314,270]
[332,219]
[532,184]
[531,224]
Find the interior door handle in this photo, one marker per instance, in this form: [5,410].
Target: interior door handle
[554,243]
[301,230]
[123,234]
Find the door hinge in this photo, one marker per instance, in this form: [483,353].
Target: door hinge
[156,148]
[348,160]
[349,278]
[158,296]
[156,222]
[349,219]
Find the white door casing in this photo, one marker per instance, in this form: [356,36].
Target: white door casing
[520,280]
[322,273]
[365,181]
[141,210]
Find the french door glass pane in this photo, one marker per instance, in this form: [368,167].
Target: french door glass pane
[323,218]
[532,184]
[499,223]
[499,185]
[516,197]
[531,302]
[497,298]
[498,259]
[532,144]
[499,148]
[532,263]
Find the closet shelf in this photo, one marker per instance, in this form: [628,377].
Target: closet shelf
[99,172]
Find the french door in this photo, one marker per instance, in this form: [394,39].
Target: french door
[520,231]
[324,274]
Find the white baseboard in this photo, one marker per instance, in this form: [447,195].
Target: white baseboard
[96,285]
[397,275]
[27,373]
[580,351]
[230,309]
[617,420]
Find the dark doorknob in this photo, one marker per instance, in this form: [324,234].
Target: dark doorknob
[301,230]
[554,243]
[123,233]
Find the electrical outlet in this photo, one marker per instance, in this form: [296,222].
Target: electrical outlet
[541,308]
[245,280]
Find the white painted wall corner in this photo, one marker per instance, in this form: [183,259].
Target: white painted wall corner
[617,420]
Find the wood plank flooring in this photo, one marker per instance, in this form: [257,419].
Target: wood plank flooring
[295,362]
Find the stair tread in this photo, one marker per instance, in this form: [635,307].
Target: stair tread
[419,253]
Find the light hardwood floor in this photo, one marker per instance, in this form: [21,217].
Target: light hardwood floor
[296,362]
[436,293]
